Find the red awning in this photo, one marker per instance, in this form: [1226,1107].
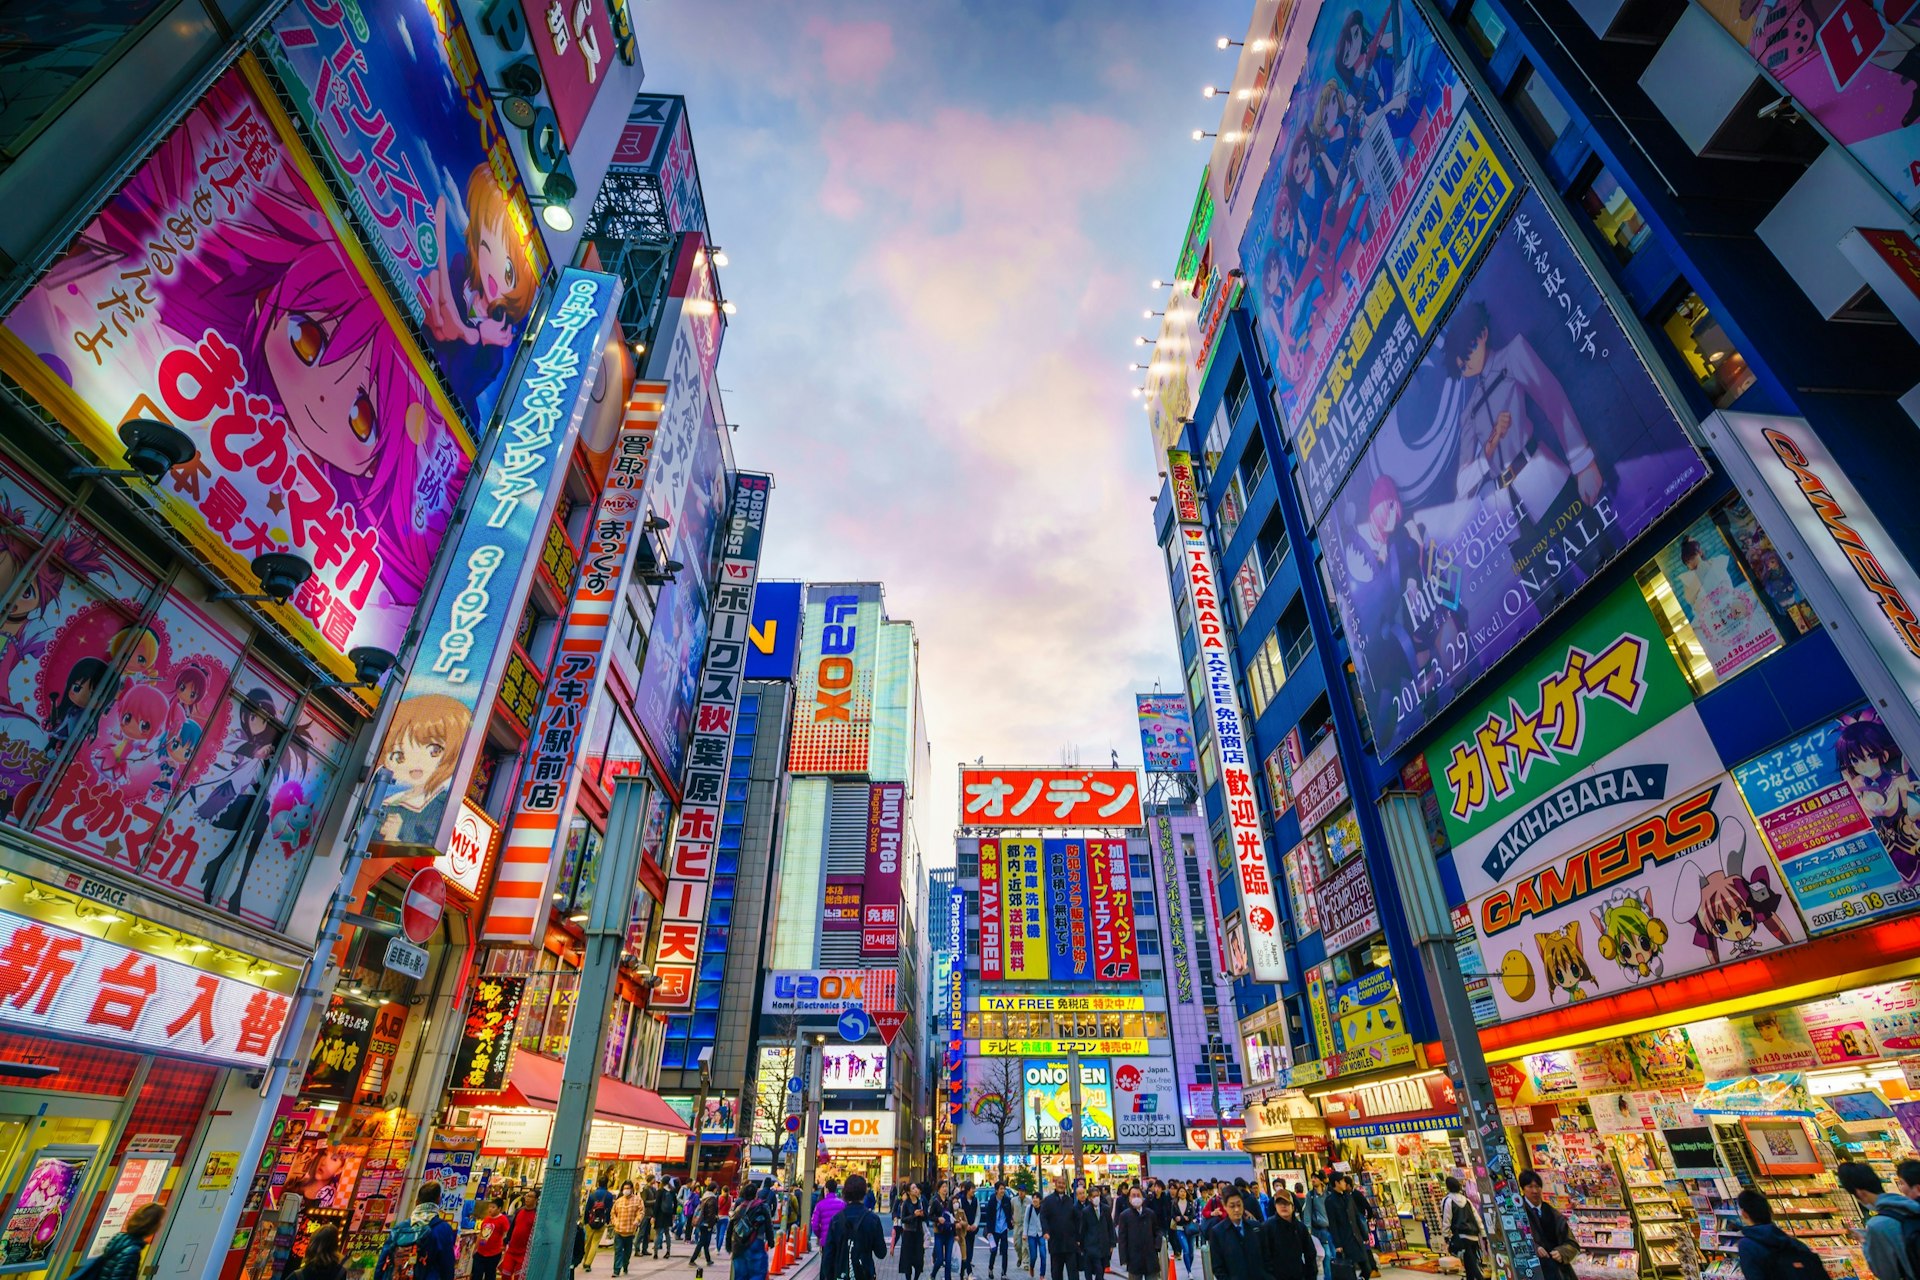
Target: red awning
[534,1081]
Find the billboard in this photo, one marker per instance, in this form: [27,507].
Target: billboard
[833,694]
[1839,806]
[840,904]
[1348,912]
[1686,886]
[1116,956]
[829,992]
[1354,147]
[1023,918]
[428,754]
[773,641]
[854,1066]
[1050,1100]
[575,47]
[1319,782]
[993,945]
[1851,66]
[1595,728]
[689,489]
[1146,1101]
[1259,905]
[703,783]
[880,898]
[1056,797]
[1488,498]
[1166,732]
[409,132]
[215,291]
[1069,937]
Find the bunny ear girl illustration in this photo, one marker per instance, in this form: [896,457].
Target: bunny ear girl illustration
[1734,907]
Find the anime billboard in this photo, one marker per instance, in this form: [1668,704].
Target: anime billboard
[1373,103]
[1166,732]
[1528,450]
[1853,65]
[1684,887]
[216,292]
[394,94]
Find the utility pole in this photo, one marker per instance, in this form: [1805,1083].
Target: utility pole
[1073,1103]
[700,1115]
[810,1126]
[606,935]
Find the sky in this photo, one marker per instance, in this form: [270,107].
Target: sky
[941,222]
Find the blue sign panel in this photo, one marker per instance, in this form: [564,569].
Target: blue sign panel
[854,1025]
[1069,922]
[773,644]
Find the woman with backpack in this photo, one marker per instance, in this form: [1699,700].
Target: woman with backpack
[1460,1224]
[1768,1253]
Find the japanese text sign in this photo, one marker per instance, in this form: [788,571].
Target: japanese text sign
[1166,732]
[1567,748]
[703,790]
[1186,492]
[1347,909]
[485,1054]
[840,904]
[340,1050]
[1529,448]
[393,91]
[993,953]
[1116,957]
[576,679]
[1063,797]
[1173,876]
[1069,941]
[880,899]
[1266,946]
[438,729]
[193,299]
[1023,919]
[64,983]
[1319,783]
[833,696]
[573,41]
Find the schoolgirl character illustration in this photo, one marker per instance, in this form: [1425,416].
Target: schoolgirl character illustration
[22,635]
[422,752]
[1876,771]
[126,751]
[1564,963]
[226,795]
[183,736]
[1630,934]
[87,681]
[481,299]
[1735,907]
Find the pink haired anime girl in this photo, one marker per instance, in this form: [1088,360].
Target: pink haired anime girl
[124,749]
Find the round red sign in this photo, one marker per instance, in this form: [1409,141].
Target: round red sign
[426,901]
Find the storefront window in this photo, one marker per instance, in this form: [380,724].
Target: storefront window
[1156,1025]
[992,1026]
[1707,590]
[973,1025]
[1133,1025]
[574,896]
[1720,370]
[1612,211]
[1110,1025]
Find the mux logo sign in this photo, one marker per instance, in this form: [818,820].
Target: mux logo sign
[833,700]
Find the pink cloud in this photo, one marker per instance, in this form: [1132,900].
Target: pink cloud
[852,52]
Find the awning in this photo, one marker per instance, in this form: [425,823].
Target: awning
[534,1081]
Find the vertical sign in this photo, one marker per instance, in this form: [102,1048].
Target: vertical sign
[1266,949]
[833,695]
[703,789]
[441,721]
[1069,949]
[1173,883]
[1026,940]
[485,1053]
[1116,955]
[992,953]
[880,899]
[528,861]
[957,1003]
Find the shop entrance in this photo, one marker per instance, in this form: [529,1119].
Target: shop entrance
[53,1154]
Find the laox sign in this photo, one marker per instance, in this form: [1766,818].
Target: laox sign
[810,988]
[833,700]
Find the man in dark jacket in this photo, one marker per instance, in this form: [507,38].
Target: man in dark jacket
[1095,1243]
[966,1225]
[1348,1215]
[1768,1253]
[430,1237]
[665,1205]
[1060,1228]
[1139,1233]
[1286,1245]
[855,1238]
[1550,1234]
[1233,1244]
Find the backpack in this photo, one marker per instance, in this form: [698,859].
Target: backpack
[400,1256]
[1909,1225]
[741,1232]
[599,1211]
[1463,1227]
[847,1222]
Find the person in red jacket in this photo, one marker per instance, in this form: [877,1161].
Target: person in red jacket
[513,1258]
[492,1241]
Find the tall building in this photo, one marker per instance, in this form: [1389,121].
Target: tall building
[1519,492]
[848,917]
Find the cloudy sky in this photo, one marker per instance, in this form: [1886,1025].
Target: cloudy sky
[941,220]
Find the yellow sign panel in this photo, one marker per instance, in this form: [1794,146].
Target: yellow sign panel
[1053,1048]
[1063,1004]
[1451,218]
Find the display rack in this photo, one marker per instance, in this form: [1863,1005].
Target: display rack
[1597,1214]
[1666,1247]
[1808,1206]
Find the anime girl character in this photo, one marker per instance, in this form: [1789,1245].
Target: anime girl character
[1564,963]
[422,752]
[1876,771]
[225,796]
[1630,934]
[125,752]
[1371,74]
[183,737]
[481,299]
[134,650]
[21,635]
[88,679]
[1735,907]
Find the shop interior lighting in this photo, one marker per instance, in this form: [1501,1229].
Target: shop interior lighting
[153,448]
[578,917]
[1198,134]
[1224,43]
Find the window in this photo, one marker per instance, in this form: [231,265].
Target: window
[1182,607]
[1144,904]
[1232,503]
[992,1027]
[1253,464]
[1209,764]
[1612,213]
[1248,586]
[1534,101]
[1271,544]
[1139,866]
[1485,29]
[1149,942]
[1217,432]
[966,864]
[1156,1024]
[973,902]
[1266,672]
[1194,697]
[1720,370]
[1236,393]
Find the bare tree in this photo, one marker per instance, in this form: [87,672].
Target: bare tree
[768,1100]
[998,1099]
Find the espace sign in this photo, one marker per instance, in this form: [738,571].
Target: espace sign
[833,693]
[828,992]
[858,1130]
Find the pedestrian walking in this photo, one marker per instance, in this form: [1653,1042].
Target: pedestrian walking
[1036,1233]
[1462,1228]
[706,1222]
[910,1218]
[825,1210]
[665,1207]
[944,1224]
[1319,1225]
[1000,1220]
[1765,1251]
[1889,1218]
[1286,1246]
[513,1259]
[596,1213]
[421,1248]
[1349,1216]
[1091,1247]
[625,1225]
[1060,1232]
[1232,1243]
[322,1260]
[1139,1238]
[855,1238]
[1553,1242]
[490,1241]
[750,1235]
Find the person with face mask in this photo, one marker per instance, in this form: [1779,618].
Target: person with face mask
[1139,1232]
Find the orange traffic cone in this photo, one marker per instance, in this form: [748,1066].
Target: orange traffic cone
[1173,1266]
